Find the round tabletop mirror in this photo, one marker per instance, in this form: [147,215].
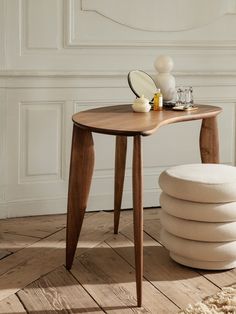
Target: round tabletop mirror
[142,84]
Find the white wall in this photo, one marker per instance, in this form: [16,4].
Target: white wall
[61,56]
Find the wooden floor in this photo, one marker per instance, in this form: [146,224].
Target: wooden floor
[33,278]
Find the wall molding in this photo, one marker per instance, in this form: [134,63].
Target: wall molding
[27,172]
[171,44]
[3,146]
[47,206]
[179,20]
[3,211]
[3,52]
[100,74]
[25,27]
[95,79]
[58,205]
[23,208]
[73,40]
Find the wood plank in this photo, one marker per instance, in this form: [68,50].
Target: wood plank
[99,275]
[11,305]
[27,265]
[181,284]
[151,213]
[14,242]
[111,282]
[39,226]
[153,228]
[57,292]
[4,253]
[220,278]
[148,214]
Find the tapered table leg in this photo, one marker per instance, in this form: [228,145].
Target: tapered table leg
[81,170]
[120,161]
[138,214]
[209,141]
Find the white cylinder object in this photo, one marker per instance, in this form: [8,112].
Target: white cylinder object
[164,80]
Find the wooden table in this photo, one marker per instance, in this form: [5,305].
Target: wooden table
[122,122]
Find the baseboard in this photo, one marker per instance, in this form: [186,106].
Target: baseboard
[3,210]
[22,208]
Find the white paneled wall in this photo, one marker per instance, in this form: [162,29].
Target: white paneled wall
[58,57]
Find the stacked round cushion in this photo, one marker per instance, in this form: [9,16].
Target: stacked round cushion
[199,215]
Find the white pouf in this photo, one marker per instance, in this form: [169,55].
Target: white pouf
[195,263]
[198,230]
[199,215]
[210,212]
[205,183]
[198,250]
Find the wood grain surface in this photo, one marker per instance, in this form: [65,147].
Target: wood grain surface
[81,170]
[209,141]
[103,273]
[120,161]
[122,120]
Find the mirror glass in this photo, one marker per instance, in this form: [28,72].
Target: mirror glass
[142,84]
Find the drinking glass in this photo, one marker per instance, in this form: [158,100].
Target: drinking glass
[184,96]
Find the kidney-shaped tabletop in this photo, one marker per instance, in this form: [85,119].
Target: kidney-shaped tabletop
[122,120]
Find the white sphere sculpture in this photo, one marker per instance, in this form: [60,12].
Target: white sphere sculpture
[164,80]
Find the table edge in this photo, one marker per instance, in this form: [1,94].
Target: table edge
[147,132]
